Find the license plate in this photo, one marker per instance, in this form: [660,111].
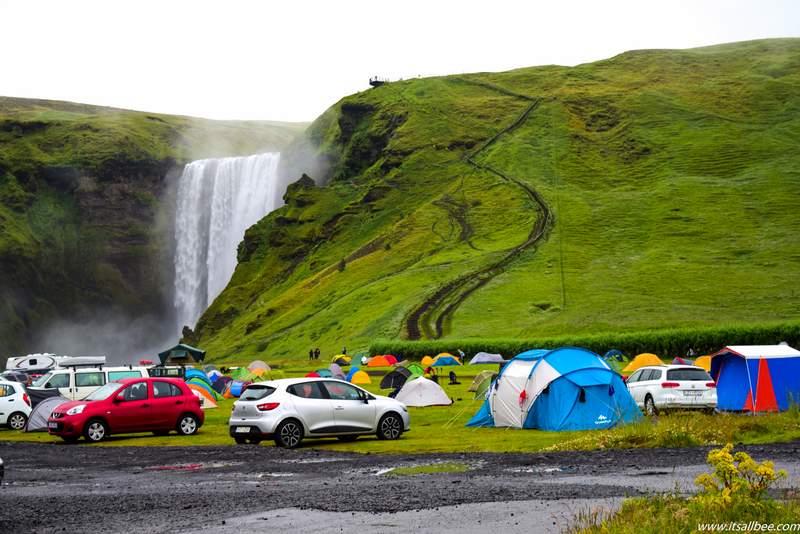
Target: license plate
[52,424]
[242,429]
[692,393]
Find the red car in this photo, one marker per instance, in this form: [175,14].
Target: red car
[131,405]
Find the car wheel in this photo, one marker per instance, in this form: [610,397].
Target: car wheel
[390,426]
[16,421]
[70,439]
[240,441]
[289,434]
[650,406]
[187,424]
[96,430]
[347,438]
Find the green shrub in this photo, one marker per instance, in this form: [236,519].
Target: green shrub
[674,341]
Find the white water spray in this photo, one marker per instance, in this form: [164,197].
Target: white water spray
[218,199]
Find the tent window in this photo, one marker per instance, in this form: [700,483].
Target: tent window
[582,397]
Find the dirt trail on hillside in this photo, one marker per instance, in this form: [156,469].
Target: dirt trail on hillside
[429,317]
[74,488]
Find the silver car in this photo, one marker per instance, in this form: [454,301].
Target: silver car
[291,409]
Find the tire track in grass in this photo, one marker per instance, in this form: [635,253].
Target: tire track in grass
[429,317]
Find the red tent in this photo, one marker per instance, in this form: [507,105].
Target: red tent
[312,374]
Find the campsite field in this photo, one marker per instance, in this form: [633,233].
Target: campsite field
[440,429]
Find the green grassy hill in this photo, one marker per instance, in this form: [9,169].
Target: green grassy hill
[658,188]
[81,224]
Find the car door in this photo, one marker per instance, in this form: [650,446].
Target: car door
[63,383]
[133,412]
[632,384]
[167,404]
[650,384]
[86,382]
[313,407]
[6,402]
[351,409]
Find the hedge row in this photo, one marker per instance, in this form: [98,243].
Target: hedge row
[666,343]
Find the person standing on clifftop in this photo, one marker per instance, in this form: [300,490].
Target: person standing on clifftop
[316,353]
[311,354]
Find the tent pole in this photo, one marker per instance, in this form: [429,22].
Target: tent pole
[750,383]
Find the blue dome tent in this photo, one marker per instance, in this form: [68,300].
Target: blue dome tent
[563,389]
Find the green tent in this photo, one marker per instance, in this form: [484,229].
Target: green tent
[182,354]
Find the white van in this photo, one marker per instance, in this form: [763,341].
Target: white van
[76,383]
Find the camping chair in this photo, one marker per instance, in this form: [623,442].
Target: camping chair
[453,379]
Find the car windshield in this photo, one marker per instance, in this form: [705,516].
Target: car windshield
[688,374]
[42,380]
[103,392]
[253,393]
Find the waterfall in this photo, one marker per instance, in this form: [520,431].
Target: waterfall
[218,199]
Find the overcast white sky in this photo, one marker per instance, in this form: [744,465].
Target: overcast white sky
[290,60]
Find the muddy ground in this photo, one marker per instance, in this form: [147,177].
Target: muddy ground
[80,488]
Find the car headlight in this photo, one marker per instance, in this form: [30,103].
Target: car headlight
[75,410]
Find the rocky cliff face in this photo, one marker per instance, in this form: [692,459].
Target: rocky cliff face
[85,219]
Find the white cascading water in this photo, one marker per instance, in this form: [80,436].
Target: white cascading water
[218,199]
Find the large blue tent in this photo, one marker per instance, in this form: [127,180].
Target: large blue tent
[563,389]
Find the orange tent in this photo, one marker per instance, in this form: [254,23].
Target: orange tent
[640,361]
[704,362]
[360,377]
[426,361]
[378,361]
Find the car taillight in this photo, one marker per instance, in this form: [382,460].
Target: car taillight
[711,384]
[267,406]
[669,384]
[26,399]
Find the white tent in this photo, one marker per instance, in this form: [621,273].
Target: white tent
[37,421]
[423,392]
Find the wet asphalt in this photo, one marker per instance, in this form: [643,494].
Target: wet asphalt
[83,488]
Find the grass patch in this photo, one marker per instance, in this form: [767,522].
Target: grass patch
[428,469]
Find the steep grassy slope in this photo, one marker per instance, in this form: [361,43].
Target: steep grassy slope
[81,225]
[669,180]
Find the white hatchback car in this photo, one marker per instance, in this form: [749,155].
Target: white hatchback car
[663,387]
[15,405]
[291,409]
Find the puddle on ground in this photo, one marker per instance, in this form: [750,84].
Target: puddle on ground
[541,469]
[192,466]
[312,460]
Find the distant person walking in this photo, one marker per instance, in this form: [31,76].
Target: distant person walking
[311,354]
[316,353]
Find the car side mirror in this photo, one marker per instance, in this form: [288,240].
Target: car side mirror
[119,398]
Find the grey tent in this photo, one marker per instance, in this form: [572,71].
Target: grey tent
[37,421]
[395,378]
[336,372]
[485,357]
[181,354]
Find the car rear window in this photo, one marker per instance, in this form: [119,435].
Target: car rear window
[688,374]
[253,393]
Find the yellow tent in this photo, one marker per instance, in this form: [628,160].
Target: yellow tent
[345,357]
[360,377]
[426,361]
[640,361]
[704,362]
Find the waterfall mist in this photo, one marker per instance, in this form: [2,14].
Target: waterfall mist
[217,200]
